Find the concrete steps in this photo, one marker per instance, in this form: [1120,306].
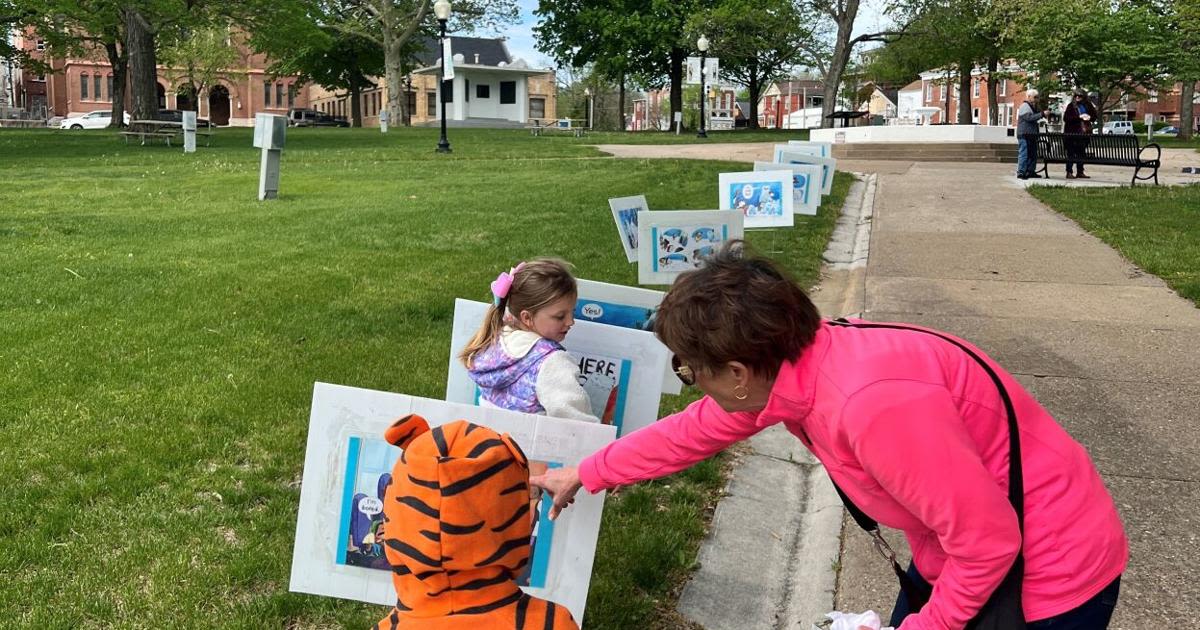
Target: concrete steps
[928,151]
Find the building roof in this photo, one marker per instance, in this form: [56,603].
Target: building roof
[891,94]
[915,86]
[491,51]
[798,86]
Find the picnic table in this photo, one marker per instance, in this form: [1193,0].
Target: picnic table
[563,125]
[166,130]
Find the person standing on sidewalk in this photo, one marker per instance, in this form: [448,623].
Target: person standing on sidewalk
[909,425]
[1077,120]
[1027,136]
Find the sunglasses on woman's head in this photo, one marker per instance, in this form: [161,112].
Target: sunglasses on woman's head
[684,372]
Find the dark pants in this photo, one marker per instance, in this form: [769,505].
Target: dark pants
[1094,614]
[1076,147]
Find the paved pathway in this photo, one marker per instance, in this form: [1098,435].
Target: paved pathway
[1108,349]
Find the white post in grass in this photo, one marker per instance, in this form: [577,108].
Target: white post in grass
[269,131]
[189,132]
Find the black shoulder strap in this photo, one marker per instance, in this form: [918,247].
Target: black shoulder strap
[1016,480]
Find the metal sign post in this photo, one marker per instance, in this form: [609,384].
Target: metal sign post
[189,132]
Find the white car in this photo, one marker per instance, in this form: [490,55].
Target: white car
[1118,127]
[92,120]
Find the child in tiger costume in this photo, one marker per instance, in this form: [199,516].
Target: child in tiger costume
[456,531]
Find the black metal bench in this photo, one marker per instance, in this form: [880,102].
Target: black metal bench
[1101,150]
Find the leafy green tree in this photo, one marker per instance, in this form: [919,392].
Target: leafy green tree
[645,40]
[1118,48]
[757,41]
[198,58]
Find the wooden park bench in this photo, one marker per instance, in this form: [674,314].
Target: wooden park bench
[1101,150]
[143,135]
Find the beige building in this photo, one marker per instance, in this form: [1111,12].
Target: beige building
[489,89]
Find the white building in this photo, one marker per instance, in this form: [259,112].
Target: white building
[489,86]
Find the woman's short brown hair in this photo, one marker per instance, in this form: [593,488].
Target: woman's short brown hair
[738,307]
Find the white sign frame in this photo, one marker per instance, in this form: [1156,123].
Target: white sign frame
[727,224]
[781,178]
[637,402]
[340,413]
[620,207]
[806,184]
[824,149]
[784,155]
[609,304]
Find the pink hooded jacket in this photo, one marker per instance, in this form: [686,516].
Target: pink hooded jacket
[913,430]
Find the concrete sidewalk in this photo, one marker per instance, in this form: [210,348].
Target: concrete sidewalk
[1107,348]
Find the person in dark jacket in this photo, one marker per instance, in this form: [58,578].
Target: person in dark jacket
[1078,118]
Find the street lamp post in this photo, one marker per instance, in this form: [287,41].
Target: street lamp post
[702,45]
[587,92]
[441,9]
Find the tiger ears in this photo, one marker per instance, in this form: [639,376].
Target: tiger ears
[405,430]
[515,450]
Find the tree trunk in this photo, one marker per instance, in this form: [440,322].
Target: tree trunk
[393,75]
[356,103]
[964,93]
[1187,116]
[946,118]
[143,71]
[841,57]
[754,88]
[621,101]
[120,69]
[993,66]
[677,57]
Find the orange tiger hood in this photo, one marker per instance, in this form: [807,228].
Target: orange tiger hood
[456,518]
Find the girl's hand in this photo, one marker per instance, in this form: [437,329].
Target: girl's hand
[562,484]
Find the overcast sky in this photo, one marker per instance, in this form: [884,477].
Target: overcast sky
[521,41]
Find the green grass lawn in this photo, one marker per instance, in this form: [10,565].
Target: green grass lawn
[162,330]
[1157,228]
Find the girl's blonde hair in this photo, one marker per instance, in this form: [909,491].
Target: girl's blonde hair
[538,283]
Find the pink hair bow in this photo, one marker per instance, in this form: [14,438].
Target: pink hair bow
[503,283]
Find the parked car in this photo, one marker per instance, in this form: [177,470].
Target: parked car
[299,117]
[176,115]
[92,120]
[1170,132]
[1118,127]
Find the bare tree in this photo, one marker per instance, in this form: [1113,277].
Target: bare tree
[843,13]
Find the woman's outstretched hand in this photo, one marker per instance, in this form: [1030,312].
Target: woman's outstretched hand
[562,484]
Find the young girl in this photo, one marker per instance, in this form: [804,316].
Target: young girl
[517,358]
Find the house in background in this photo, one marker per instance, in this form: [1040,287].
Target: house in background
[490,89]
[78,85]
[908,99]
[794,104]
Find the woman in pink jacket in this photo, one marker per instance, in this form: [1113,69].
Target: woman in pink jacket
[907,424]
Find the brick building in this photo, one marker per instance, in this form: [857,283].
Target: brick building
[496,89]
[78,85]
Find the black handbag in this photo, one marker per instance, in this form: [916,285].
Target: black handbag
[1003,610]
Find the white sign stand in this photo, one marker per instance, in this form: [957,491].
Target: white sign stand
[269,131]
[383,121]
[189,132]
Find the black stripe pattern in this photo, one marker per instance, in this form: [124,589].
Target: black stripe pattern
[462,485]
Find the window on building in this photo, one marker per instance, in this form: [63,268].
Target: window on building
[431,109]
[412,102]
[508,92]
[278,95]
[110,87]
[537,107]
[41,78]
[41,44]
[928,91]
[448,90]
[1153,96]
[83,87]
[975,114]
[483,91]
[97,86]
[942,92]
[1003,89]
[266,93]
[975,88]
[291,94]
